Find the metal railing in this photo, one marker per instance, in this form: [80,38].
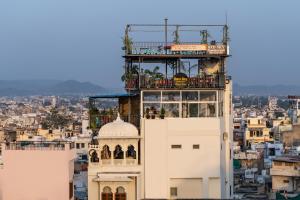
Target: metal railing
[39,145]
[161,48]
[102,119]
[213,81]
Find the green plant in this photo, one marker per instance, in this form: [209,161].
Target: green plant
[133,71]
[162,113]
[154,74]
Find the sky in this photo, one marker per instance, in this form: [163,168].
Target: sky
[81,39]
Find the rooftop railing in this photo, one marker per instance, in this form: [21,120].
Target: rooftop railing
[186,48]
[99,120]
[39,145]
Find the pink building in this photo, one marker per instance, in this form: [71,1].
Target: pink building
[37,171]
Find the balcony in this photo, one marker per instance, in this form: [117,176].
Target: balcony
[99,120]
[284,172]
[169,50]
[216,81]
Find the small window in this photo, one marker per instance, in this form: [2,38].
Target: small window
[82,145]
[196,146]
[173,191]
[176,146]
[77,146]
[286,181]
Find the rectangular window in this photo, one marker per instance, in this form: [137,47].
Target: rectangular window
[286,181]
[173,191]
[176,146]
[82,145]
[77,146]
[152,96]
[190,96]
[196,146]
[208,96]
[171,109]
[171,96]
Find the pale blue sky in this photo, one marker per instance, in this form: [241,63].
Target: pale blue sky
[81,39]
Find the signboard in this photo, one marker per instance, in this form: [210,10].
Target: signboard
[180,80]
[216,49]
[189,47]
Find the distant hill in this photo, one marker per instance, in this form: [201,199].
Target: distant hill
[265,90]
[48,87]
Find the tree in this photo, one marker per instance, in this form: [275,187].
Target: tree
[55,120]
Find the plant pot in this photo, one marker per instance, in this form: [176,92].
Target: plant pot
[147,116]
[162,116]
[152,116]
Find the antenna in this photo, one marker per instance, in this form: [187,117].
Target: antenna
[226,17]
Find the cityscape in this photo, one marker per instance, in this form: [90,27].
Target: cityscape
[179,126]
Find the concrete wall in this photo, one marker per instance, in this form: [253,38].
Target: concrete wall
[164,163]
[36,174]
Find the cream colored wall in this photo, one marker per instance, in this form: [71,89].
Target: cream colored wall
[278,183]
[163,163]
[187,187]
[36,174]
[95,188]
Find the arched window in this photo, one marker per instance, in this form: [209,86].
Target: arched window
[93,155]
[118,153]
[120,194]
[131,153]
[105,153]
[107,193]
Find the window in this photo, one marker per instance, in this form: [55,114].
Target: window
[120,194]
[288,164]
[105,153]
[286,181]
[171,96]
[173,191]
[190,96]
[176,146]
[152,96]
[82,145]
[171,109]
[196,146]
[77,146]
[107,194]
[251,133]
[118,153]
[93,155]
[131,153]
[71,190]
[208,96]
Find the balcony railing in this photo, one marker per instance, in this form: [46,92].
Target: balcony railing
[161,48]
[99,120]
[39,145]
[212,81]
[284,172]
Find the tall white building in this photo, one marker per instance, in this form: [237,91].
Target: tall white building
[183,137]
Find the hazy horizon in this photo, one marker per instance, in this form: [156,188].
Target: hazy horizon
[80,40]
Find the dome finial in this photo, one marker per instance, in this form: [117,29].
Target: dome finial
[118,117]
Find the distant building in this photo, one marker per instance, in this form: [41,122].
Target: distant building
[257,132]
[285,174]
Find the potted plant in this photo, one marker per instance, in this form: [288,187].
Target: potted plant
[162,113]
[152,112]
[147,113]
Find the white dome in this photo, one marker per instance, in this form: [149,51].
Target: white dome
[118,128]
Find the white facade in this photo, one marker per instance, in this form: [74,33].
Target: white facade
[189,157]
